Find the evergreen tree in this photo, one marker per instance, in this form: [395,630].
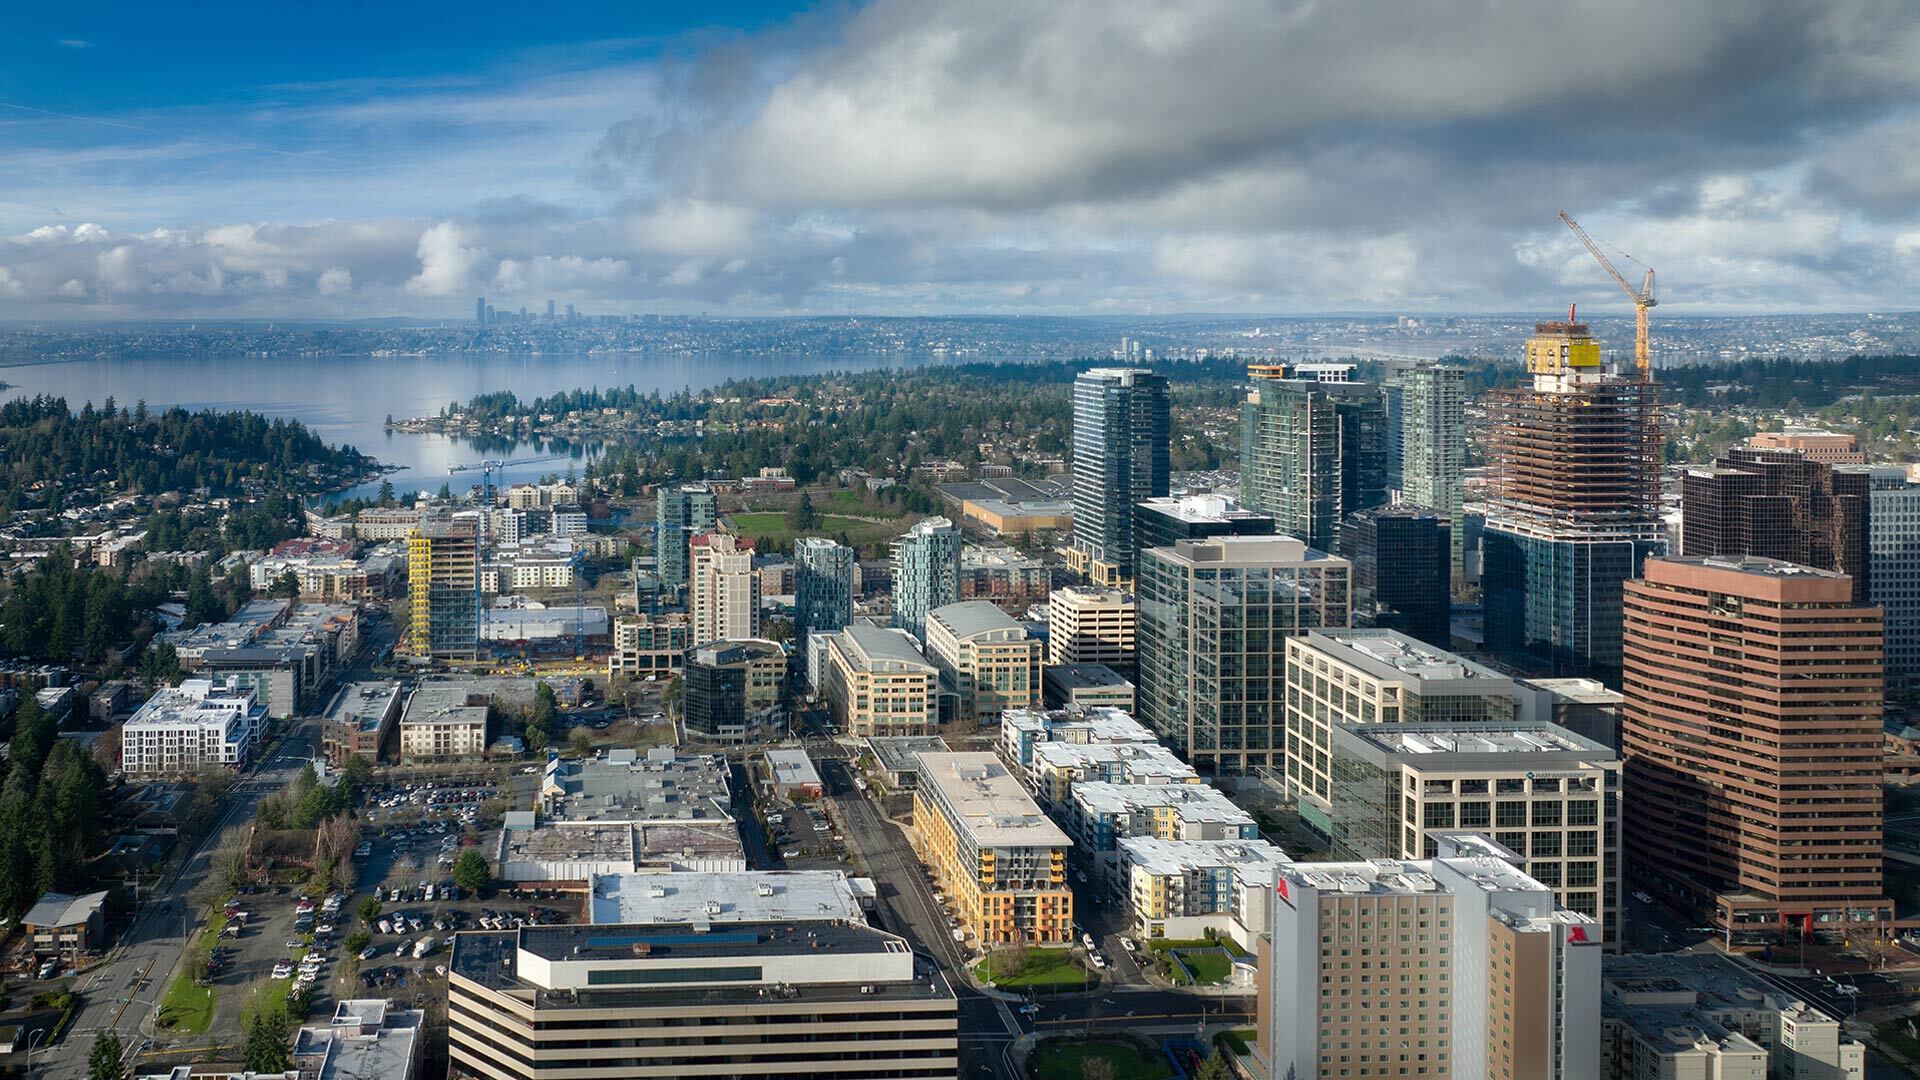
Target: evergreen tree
[103,1062]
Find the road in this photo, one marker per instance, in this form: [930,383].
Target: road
[122,995]
[987,1024]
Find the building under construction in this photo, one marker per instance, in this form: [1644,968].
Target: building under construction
[443,560]
[1575,506]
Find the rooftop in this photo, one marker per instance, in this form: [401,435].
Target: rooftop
[452,701]
[1140,758]
[64,909]
[970,617]
[363,704]
[1584,691]
[877,646]
[1752,564]
[366,1040]
[1190,802]
[988,802]
[1394,877]
[1417,740]
[1394,656]
[901,753]
[196,702]
[1202,509]
[1254,861]
[1077,724]
[1245,551]
[745,896]
[1083,676]
[624,786]
[1674,983]
[792,767]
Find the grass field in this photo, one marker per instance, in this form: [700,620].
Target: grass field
[1236,1040]
[845,501]
[1045,969]
[1066,1059]
[1209,968]
[771,531]
[1201,956]
[189,1008]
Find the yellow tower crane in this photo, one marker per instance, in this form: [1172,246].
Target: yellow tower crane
[1642,299]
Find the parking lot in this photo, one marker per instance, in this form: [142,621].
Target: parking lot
[282,936]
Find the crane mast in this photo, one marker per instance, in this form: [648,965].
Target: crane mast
[1643,298]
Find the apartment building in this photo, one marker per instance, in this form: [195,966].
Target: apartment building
[363,721]
[445,721]
[1100,814]
[985,658]
[1058,766]
[1002,862]
[195,726]
[1702,1014]
[724,590]
[1185,890]
[1023,729]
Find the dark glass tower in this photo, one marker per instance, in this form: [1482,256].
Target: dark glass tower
[1121,431]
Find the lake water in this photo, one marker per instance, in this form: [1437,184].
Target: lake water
[347,399]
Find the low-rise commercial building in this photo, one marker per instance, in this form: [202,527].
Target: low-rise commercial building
[1702,1015]
[878,683]
[1002,862]
[1085,686]
[1004,577]
[329,571]
[814,998]
[364,721]
[1471,972]
[985,658]
[192,727]
[62,926]
[727,897]
[897,759]
[517,621]
[445,721]
[790,774]
[288,653]
[367,1038]
[626,787]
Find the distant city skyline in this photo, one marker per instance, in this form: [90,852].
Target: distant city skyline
[908,157]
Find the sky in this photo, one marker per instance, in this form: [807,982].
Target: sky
[361,160]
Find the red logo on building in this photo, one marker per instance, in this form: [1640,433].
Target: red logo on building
[1576,935]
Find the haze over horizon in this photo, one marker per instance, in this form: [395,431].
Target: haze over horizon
[906,157]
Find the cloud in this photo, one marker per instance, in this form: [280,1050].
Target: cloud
[75,43]
[335,281]
[446,263]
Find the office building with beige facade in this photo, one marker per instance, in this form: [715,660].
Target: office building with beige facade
[877,682]
[723,589]
[1092,625]
[445,721]
[1539,791]
[808,999]
[985,658]
[1461,966]
[1337,677]
[1002,862]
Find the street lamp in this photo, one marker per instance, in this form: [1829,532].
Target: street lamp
[31,1039]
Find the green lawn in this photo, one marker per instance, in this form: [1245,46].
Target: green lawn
[1048,969]
[1209,968]
[189,1008]
[1066,1059]
[773,533]
[848,501]
[1894,1035]
[1236,1040]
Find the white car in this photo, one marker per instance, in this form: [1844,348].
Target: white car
[282,970]
[1127,944]
[1644,898]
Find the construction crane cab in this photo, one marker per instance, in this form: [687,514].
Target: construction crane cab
[1643,298]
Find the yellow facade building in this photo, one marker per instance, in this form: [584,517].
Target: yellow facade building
[1002,862]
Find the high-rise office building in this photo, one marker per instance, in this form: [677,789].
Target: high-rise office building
[926,572]
[1121,433]
[549,311]
[1161,522]
[1575,504]
[822,588]
[443,565]
[1311,451]
[1779,504]
[1753,745]
[1215,617]
[1401,566]
[1893,559]
[1429,439]
[724,592]
[1092,625]
[480,310]
[1460,965]
[681,512]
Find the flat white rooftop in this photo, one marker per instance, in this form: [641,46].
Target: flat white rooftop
[987,802]
[747,896]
